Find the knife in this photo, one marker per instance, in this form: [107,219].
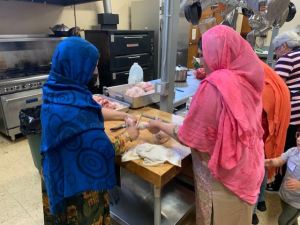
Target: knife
[113,129]
[153,118]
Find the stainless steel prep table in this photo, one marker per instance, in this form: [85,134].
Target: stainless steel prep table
[184,90]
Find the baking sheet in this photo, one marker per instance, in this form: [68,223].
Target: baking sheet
[124,108]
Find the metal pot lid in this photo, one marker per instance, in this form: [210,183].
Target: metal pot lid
[60,27]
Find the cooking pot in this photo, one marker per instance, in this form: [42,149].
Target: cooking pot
[180,74]
[60,30]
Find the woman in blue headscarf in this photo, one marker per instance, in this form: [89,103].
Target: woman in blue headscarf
[78,157]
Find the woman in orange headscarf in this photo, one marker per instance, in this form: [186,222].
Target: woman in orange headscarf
[276,104]
[223,129]
[276,119]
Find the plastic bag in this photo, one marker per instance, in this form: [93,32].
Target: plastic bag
[30,122]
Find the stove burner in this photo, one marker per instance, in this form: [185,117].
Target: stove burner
[24,72]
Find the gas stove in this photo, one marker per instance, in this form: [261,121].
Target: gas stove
[24,68]
[17,80]
[10,86]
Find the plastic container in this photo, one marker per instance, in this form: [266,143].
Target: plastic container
[136,74]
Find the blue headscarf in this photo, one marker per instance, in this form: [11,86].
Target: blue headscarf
[78,155]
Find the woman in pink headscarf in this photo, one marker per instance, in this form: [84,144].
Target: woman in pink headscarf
[223,129]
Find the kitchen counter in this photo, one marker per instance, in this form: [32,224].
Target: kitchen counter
[159,175]
[184,90]
[151,190]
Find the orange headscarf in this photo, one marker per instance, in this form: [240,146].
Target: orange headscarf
[276,104]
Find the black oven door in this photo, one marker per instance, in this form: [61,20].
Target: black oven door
[119,78]
[119,63]
[126,44]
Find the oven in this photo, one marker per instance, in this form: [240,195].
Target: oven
[25,63]
[119,49]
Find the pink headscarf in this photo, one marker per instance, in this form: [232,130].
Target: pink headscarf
[225,115]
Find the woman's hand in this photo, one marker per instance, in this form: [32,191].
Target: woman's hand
[131,129]
[161,137]
[154,126]
[292,184]
[133,132]
[130,120]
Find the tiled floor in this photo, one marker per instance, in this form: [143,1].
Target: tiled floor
[20,192]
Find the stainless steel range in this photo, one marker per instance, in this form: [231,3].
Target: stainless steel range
[24,67]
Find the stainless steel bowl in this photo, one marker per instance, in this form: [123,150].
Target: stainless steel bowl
[180,74]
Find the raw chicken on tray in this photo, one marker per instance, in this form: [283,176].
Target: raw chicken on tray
[140,89]
[105,103]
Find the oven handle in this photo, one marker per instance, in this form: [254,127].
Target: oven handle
[134,57]
[133,37]
[19,98]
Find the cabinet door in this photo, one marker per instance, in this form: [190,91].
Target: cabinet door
[13,103]
[194,36]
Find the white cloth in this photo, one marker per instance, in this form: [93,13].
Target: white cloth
[156,154]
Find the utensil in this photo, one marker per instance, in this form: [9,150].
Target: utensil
[139,120]
[155,118]
[193,12]
[179,90]
[292,12]
[121,126]
[180,74]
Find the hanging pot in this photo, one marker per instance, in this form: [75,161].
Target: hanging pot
[193,12]
[292,12]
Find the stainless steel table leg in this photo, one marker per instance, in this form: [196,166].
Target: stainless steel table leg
[157,206]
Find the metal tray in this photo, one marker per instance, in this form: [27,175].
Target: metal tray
[118,92]
[125,106]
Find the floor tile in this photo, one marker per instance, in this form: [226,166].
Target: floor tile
[29,199]
[10,208]
[36,211]
[20,191]
[21,220]
[27,182]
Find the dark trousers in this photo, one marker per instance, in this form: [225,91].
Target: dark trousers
[289,215]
